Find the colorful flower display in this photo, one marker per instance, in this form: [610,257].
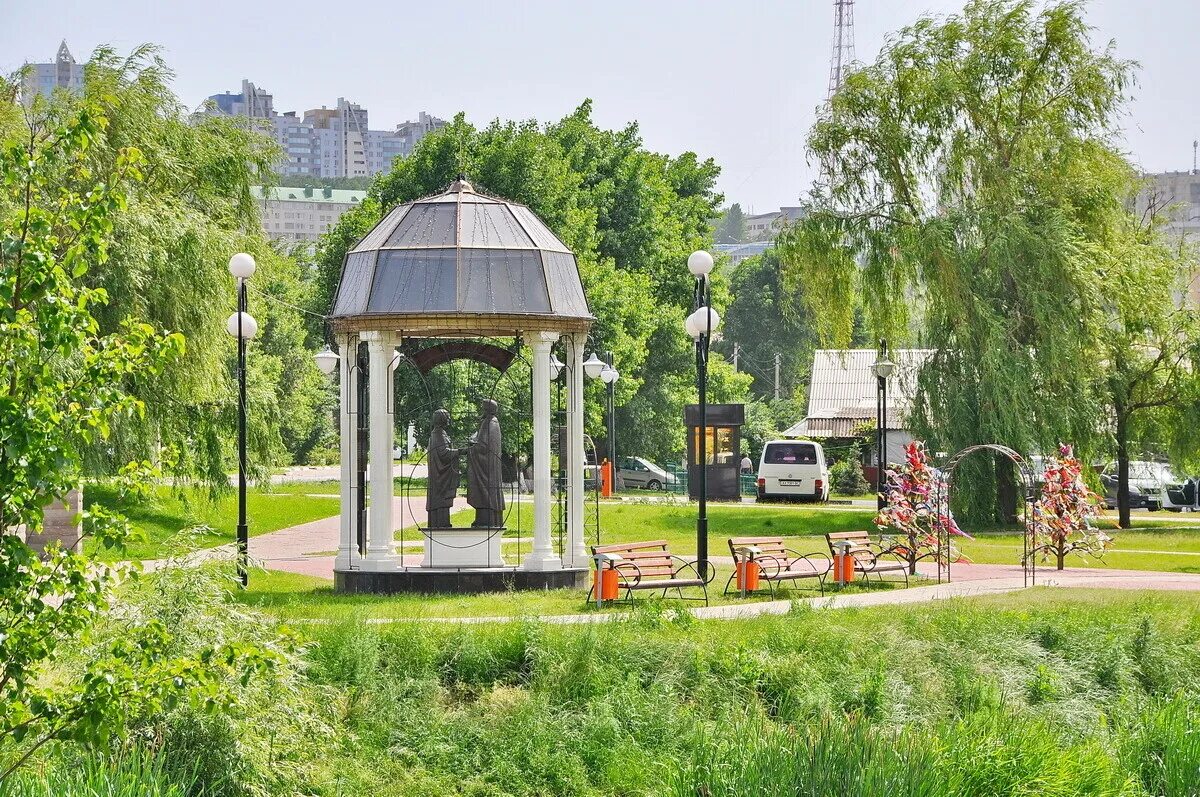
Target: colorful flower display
[911,512]
[1060,521]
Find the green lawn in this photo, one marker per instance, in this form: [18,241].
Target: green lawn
[160,520]
[1148,547]
[675,522]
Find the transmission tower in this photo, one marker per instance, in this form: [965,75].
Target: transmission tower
[843,43]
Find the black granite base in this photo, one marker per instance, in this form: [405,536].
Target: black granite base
[458,582]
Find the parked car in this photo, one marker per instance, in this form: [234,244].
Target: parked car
[638,472]
[1137,498]
[1148,483]
[793,469]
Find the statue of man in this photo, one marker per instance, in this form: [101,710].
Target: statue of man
[485,490]
[442,486]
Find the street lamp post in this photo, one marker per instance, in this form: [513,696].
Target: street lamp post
[596,368]
[882,368]
[242,326]
[700,325]
[609,376]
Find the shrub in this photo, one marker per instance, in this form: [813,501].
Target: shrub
[846,477]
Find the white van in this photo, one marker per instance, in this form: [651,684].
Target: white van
[793,469]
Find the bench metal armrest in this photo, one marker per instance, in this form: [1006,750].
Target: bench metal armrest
[637,575]
[823,564]
[689,565]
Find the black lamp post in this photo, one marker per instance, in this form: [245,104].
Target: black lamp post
[701,325]
[882,368]
[609,376]
[242,326]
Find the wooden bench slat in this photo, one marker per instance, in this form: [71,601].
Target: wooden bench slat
[629,546]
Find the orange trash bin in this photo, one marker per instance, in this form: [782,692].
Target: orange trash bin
[843,568]
[748,573]
[605,582]
[606,479]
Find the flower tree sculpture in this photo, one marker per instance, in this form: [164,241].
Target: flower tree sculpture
[911,508]
[1061,520]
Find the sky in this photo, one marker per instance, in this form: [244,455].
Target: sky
[738,81]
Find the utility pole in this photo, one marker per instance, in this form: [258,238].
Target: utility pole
[737,350]
[777,358]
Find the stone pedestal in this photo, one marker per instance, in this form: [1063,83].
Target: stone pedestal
[463,548]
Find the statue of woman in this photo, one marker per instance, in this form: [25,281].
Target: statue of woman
[485,491]
[442,486]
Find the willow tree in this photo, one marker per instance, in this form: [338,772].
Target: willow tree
[970,183]
[167,268]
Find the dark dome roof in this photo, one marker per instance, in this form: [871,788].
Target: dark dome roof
[460,253]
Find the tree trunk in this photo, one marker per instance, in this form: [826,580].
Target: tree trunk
[1006,491]
[1122,433]
[1061,551]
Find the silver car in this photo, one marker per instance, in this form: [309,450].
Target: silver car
[638,472]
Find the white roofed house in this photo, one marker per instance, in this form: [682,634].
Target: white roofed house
[842,395]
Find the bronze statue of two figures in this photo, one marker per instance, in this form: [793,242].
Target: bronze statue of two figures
[485,491]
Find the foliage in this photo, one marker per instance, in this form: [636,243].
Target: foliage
[631,217]
[764,319]
[972,175]
[1060,521]
[1151,386]
[846,476]
[65,389]
[912,507]
[731,225]
[167,268]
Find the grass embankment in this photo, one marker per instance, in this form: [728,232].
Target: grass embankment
[1039,693]
[1047,693]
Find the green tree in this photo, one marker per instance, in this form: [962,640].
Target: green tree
[764,319]
[972,178]
[731,226]
[1150,349]
[167,268]
[64,389]
[631,217]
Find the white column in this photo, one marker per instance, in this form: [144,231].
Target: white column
[348,390]
[381,546]
[543,556]
[577,552]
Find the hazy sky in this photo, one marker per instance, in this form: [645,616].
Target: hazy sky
[735,80]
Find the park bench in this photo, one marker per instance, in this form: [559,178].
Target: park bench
[870,558]
[649,565]
[778,563]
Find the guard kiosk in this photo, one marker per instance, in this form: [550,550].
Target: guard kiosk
[723,449]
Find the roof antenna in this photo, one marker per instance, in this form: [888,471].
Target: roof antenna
[1195,148]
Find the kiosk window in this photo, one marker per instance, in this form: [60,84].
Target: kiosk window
[791,454]
[718,445]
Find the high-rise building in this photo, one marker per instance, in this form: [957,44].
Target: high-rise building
[63,73]
[325,142]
